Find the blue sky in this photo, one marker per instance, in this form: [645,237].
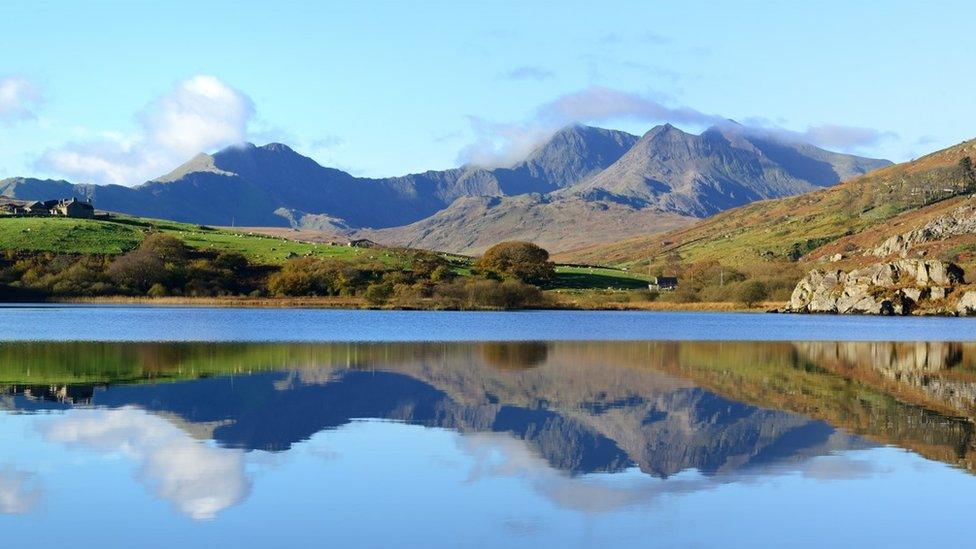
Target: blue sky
[124,91]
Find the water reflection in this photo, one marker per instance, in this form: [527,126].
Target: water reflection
[19,491]
[683,416]
[200,480]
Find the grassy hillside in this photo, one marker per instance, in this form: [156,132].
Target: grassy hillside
[121,234]
[884,202]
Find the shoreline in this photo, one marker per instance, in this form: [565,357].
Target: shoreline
[355,303]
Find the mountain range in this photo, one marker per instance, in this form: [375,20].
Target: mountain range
[583,186]
[842,224]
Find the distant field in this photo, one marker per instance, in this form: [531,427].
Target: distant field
[60,235]
[568,277]
[121,234]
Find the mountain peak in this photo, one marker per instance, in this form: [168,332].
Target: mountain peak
[663,131]
[576,152]
[200,163]
[278,148]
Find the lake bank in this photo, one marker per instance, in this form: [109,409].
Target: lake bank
[348,302]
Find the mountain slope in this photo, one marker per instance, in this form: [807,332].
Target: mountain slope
[583,186]
[275,186]
[473,224]
[667,180]
[700,175]
[846,219]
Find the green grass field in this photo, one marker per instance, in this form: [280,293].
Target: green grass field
[61,235]
[121,234]
[572,277]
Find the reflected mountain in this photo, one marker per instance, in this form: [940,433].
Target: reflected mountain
[663,407]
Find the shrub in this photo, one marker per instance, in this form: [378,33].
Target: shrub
[751,292]
[137,270]
[379,293]
[442,273]
[306,276]
[231,261]
[523,261]
[474,293]
[157,290]
[168,249]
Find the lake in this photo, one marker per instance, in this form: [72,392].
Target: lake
[157,427]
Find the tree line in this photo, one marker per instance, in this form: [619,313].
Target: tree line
[507,276]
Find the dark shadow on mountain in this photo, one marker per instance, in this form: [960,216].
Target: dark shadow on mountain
[815,171]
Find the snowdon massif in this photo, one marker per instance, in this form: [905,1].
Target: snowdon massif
[583,186]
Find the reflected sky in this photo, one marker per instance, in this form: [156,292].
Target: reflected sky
[575,443]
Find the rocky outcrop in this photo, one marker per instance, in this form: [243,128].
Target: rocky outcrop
[966,305]
[960,221]
[893,288]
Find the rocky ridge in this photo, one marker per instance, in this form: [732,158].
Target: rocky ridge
[905,286]
[961,221]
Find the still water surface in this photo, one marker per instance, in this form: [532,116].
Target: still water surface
[522,443]
[123,323]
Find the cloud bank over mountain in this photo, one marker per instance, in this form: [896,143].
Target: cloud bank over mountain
[499,144]
[201,113]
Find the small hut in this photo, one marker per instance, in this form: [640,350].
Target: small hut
[663,283]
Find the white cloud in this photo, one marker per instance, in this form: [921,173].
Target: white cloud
[599,103]
[19,492]
[498,455]
[201,113]
[18,98]
[845,137]
[830,136]
[200,480]
[502,144]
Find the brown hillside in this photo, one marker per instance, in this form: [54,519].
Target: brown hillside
[847,219]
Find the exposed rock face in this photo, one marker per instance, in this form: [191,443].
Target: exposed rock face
[898,287]
[967,304]
[960,221]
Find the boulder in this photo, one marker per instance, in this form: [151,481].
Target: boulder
[886,288]
[914,294]
[967,303]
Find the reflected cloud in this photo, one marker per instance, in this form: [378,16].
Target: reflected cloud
[19,492]
[838,468]
[198,479]
[499,456]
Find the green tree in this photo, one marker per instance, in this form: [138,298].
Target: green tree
[523,261]
[167,248]
[137,270]
[795,253]
[969,174]
[378,293]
